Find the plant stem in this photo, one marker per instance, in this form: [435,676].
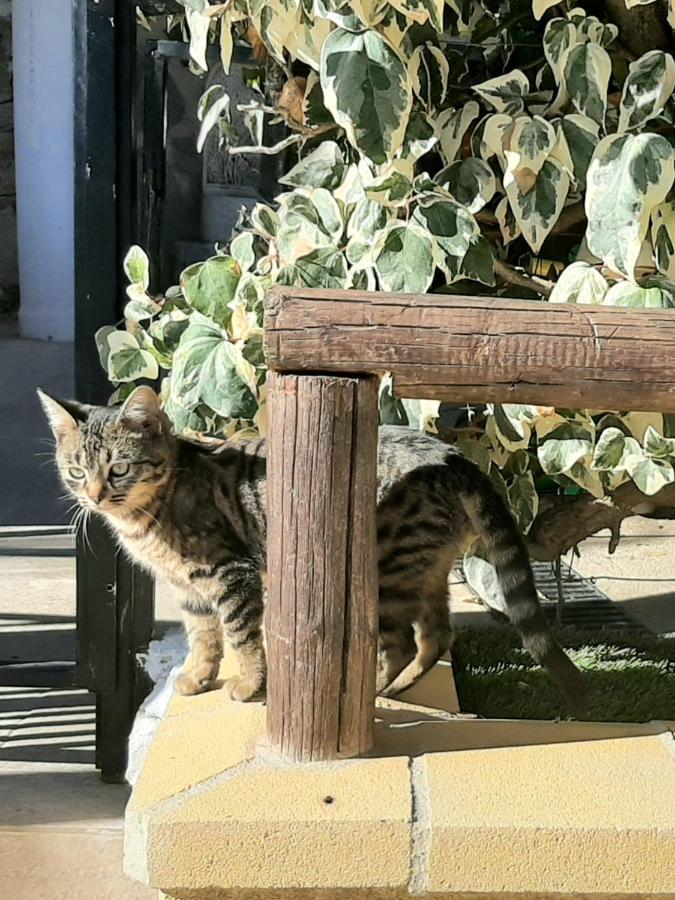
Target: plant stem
[509,274]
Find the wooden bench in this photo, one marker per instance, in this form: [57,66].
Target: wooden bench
[326,350]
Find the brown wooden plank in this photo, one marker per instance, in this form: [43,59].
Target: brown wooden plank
[321,618]
[480,348]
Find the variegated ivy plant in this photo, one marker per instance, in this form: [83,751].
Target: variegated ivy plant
[478,146]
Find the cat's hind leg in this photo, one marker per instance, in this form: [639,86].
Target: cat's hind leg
[433,637]
[205,639]
[395,646]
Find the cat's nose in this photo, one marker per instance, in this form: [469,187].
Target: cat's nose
[95,491]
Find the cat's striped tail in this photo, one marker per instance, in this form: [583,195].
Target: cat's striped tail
[505,550]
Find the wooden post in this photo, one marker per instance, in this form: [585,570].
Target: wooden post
[322,564]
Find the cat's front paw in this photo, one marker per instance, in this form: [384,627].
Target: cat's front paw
[244,688]
[194,682]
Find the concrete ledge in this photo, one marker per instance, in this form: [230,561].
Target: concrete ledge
[444,807]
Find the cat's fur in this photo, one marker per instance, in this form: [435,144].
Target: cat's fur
[198,519]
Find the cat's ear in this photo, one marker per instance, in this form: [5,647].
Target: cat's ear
[141,412]
[64,416]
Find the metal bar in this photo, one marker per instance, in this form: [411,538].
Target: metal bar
[114,603]
[96,281]
[115,711]
[96,275]
[181,50]
[154,158]
[39,675]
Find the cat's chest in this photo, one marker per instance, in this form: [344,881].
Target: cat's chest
[163,554]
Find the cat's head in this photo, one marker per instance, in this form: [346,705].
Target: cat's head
[112,460]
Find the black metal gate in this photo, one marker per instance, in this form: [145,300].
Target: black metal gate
[120,177]
[121,103]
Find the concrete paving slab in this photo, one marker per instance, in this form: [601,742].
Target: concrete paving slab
[640,575]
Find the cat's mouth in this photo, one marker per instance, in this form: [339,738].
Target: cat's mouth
[104,505]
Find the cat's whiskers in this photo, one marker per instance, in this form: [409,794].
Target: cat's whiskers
[148,514]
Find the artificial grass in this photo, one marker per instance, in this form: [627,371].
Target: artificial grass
[629,677]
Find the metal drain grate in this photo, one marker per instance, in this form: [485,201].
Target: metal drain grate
[585,605]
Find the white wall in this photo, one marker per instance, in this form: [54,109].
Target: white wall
[43,137]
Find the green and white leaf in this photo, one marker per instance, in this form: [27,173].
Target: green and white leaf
[479,261]
[322,168]
[420,135]
[241,249]
[476,452]
[506,93]
[524,501]
[587,69]
[579,283]
[309,219]
[539,7]
[422,414]
[610,448]
[471,182]
[265,220]
[663,238]
[638,423]
[530,143]
[577,138]
[558,455]
[140,309]
[394,186]
[102,345]
[127,360]
[198,24]
[403,256]
[646,90]
[214,104]
[209,287]
[367,218]
[208,369]
[512,423]
[137,267]
[626,293]
[508,225]
[649,475]
[367,89]
[656,445]
[537,211]
[559,36]
[451,126]
[452,229]
[482,578]
[429,72]
[495,134]
[628,176]
[226,41]
[420,11]
[324,267]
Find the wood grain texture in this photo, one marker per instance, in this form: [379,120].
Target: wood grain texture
[321,616]
[480,349]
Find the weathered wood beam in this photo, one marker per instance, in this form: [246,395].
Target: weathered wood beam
[480,349]
[321,616]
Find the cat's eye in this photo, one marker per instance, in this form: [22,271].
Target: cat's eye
[119,469]
[77,474]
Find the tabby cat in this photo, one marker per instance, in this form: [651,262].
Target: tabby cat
[198,519]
